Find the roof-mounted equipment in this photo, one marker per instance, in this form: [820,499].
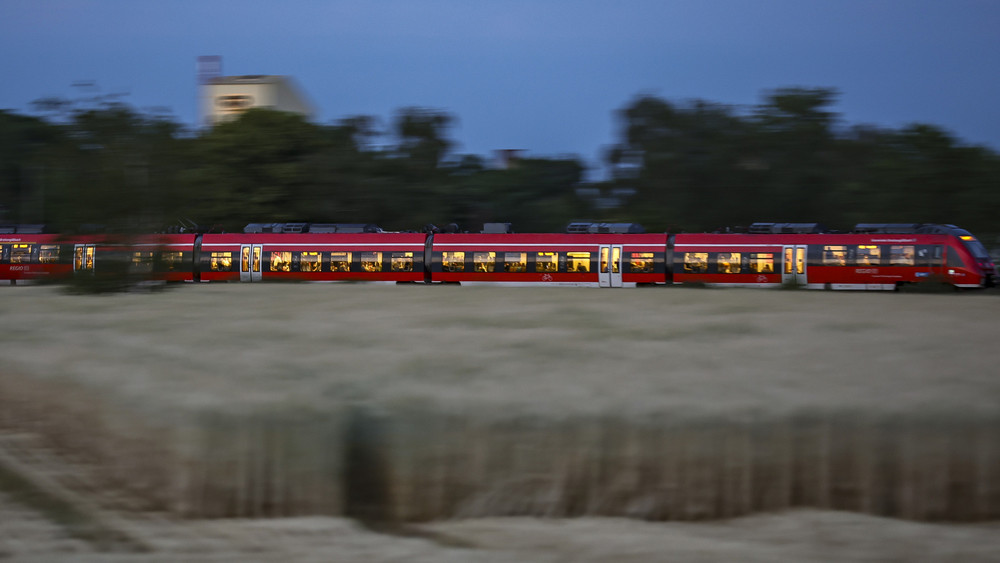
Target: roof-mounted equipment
[786,228]
[583,227]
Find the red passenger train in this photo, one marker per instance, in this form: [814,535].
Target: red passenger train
[870,257]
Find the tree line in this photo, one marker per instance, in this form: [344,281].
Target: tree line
[676,166]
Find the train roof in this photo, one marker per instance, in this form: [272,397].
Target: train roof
[324,228]
[580,227]
[22,229]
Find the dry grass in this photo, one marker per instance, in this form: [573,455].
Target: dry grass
[410,403]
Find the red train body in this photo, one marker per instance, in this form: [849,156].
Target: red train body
[50,257]
[383,257]
[828,261]
[598,260]
[880,260]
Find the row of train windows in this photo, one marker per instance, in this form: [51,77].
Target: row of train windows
[287,261]
[730,262]
[829,255]
[25,253]
[83,256]
[340,261]
[144,260]
[878,255]
[544,262]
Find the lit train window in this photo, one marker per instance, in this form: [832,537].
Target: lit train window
[222,261]
[310,262]
[402,261]
[484,262]
[171,260]
[729,262]
[515,262]
[834,255]
[869,255]
[547,262]
[48,253]
[578,262]
[761,262]
[142,261]
[281,261]
[901,255]
[696,262]
[371,261]
[453,261]
[641,262]
[340,261]
[20,253]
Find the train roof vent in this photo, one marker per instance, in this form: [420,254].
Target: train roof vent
[497,228]
[349,228]
[262,228]
[22,229]
[323,228]
[897,228]
[620,228]
[31,229]
[786,228]
[295,228]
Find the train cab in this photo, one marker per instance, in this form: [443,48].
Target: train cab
[871,257]
[968,258]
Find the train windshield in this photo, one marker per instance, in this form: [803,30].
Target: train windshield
[972,243]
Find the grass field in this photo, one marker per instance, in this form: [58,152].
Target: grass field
[413,403]
[546,352]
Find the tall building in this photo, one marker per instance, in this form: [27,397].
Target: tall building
[226,97]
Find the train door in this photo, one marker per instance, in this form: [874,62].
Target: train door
[610,272]
[250,258]
[83,258]
[793,270]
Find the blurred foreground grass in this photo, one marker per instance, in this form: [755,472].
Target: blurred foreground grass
[406,403]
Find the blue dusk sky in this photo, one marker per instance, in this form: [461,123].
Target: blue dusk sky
[545,76]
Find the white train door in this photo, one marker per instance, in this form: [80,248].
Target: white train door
[250,258]
[793,271]
[610,271]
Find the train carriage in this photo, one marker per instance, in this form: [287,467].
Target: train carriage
[883,259]
[598,260]
[34,257]
[51,257]
[386,257]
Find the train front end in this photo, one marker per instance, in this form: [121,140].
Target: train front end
[981,257]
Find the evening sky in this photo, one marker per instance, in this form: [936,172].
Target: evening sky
[545,76]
